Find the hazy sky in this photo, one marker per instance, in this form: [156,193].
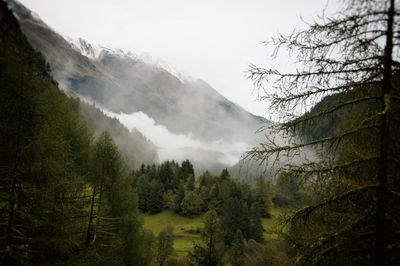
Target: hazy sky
[214,40]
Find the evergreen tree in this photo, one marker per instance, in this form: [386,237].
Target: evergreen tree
[224,175]
[207,253]
[179,196]
[237,253]
[234,216]
[190,183]
[116,230]
[186,169]
[166,176]
[155,202]
[192,204]
[256,230]
[287,190]
[143,188]
[355,53]
[164,244]
[58,197]
[42,151]
[263,195]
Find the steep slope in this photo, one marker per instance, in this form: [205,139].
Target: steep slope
[123,82]
[56,184]
[135,148]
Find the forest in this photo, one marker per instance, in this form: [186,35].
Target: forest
[72,192]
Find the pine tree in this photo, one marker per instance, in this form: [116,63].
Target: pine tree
[143,188]
[237,257]
[186,169]
[192,204]
[42,146]
[207,253]
[155,203]
[263,195]
[116,226]
[256,230]
[234,216]
[353,54]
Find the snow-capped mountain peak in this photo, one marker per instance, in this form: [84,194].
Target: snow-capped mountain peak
[84,47]
[97,52]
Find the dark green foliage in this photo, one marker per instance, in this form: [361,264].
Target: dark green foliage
[164,245]
[237,250]
[256,230]
[155,201]
[287,191]
[234,216]
[190,183]
[191,204]
[143,188]
[186,169]
[209,251]
[62,199]
[166,176]
[42,151]
[166,186]
[225,174]
[262,196]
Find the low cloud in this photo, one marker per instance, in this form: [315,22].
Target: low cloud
[180,146]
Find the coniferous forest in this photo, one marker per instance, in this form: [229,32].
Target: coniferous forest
[77,188]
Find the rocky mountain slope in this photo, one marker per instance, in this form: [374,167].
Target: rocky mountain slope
[135,148]
[126,83]
[123,82]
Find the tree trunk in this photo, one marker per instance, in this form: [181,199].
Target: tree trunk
[90,221]
[381,234]
[98,213]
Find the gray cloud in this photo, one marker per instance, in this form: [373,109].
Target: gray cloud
[181,146]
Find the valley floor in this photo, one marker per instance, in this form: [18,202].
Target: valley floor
[187,230]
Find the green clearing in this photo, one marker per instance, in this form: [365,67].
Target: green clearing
[187,230]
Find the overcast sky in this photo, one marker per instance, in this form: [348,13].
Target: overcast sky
[214,40]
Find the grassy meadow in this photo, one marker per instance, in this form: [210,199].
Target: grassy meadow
[187,230]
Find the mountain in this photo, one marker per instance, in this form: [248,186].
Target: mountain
[185,105]
[123,82]
[135,148]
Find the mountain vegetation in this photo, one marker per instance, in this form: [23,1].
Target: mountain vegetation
[69,197]
[134,147]
[64,198]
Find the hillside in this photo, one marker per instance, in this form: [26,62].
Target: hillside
[135,148]
[121,82]
[206,127]
[50,168]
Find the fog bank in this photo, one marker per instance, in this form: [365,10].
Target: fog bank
[180,146]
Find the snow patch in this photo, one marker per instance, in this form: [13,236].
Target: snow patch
[96,52]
